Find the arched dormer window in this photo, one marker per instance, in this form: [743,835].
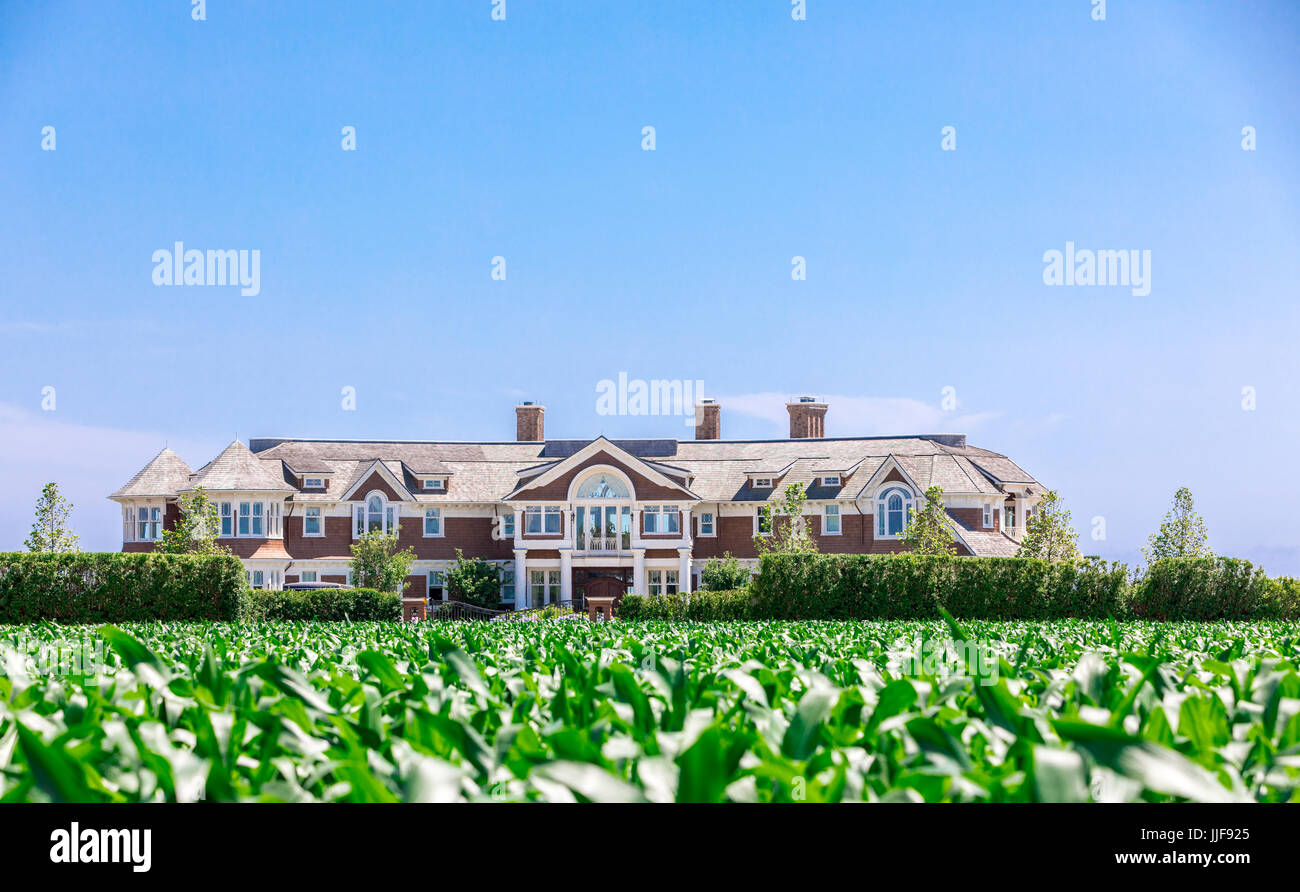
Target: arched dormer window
[893,507]
[374,515]
[603,486]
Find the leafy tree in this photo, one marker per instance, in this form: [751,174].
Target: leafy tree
[782,522]
[50,531]
[196,529]
[474,581]
[1049,533]
[1183,534]
[929,531]
[723,574]
[377,564]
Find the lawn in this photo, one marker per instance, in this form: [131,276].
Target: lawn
[564,710]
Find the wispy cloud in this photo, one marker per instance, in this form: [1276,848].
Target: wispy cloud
[863,415]
[87,461]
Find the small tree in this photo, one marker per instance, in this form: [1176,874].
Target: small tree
[50,531]
[474,581]
[723,574]
[196,528]
[781,525]
[1049,533]
[929,531]
[1183,534]
[377,564]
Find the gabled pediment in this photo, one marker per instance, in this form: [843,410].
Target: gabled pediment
[599,451]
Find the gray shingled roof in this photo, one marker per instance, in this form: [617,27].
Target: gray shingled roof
[720,469]
[165,475]
[236,468]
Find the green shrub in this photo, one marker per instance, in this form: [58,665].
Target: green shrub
[1208,588]
[701,605]
[907,586]
[327,604]
[91,587]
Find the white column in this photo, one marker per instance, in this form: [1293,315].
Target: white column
[519,527]
[521,577]
[638,571]
[684,570]
[566,574]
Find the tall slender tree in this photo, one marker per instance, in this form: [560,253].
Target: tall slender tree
[1049,532]
[929,531]
[1183,534]
[50,531]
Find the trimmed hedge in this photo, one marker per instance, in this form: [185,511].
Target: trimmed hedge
[702,605]
[1211,588]
[115,587]
[908,586]
[327,604]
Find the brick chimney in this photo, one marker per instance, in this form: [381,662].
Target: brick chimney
[807,418]
[528,422]
[708,420]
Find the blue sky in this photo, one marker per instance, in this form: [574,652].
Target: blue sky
[774,138]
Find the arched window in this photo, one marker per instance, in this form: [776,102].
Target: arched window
[893,506]
[374,515]
[602,485]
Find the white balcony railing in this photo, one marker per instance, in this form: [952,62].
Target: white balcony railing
[604,544]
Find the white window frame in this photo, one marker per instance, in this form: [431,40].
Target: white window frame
[758,522]
[433,483]
[762,483]
[541,517]
[1008,517]
[988,517]
[274,520]
[654,582]
[302,576]
[831,480]
[389,517]
[507,584]
[226,510]
[128,523]
[313,483]
[319,517]
[150,528]
[829,511]
[435,514]
[250,519]
[256,579]
[711,521]
[882,504]
[436,579]
[663,520]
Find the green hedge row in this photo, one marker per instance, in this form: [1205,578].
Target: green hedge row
[817,586]
[328,604]
[908,586]
[704,605]
[113,587]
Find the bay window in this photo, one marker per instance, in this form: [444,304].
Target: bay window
[148,524]
[227,519]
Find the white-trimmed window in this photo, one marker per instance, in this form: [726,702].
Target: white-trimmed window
[662,519]
[437,585]
[374,515]
[257,579]
[831,520]
[831,480]
[274,523]
[988,517]
[128,523]
[227,511]
[307,576]
[433,483]
[312,522]
[544,587]
[893,508]
[507,584]
[508,526]
[313,483]
[1009,518]
[432,521]
[148,524]
[762,483]
[762,522]
[662,582]
[542,520]
[252,520]
[707,527]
